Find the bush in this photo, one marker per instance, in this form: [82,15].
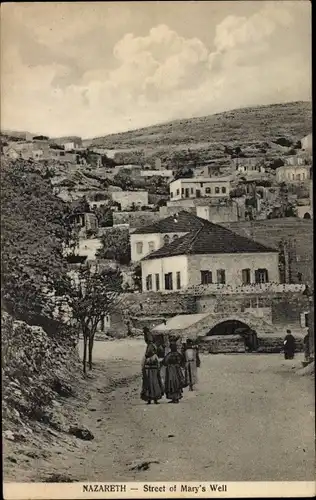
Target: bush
[116,246]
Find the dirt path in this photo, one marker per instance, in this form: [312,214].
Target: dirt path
[252,418]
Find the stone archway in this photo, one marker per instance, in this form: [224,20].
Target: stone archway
[307,215]
[229,327]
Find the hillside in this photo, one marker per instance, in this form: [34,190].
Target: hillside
[244,126]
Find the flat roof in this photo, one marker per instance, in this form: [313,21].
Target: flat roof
[204,179]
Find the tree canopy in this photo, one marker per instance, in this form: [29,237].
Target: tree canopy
[34,227]
[116,245]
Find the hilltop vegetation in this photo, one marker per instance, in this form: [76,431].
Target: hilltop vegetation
[244,127]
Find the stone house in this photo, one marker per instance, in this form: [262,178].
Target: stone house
[199,187]
[73,144]
[86,222]
[292,174]
[151,237]
[128,199]
[167,174]
[248,166]
[206,255]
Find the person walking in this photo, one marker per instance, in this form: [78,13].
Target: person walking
[192,363]
[289,345]
[174,379]
[152,387]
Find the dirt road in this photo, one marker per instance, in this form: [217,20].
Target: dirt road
[251,418]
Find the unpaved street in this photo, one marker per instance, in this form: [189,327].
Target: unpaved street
[250,419]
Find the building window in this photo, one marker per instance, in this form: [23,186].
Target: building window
[157,279]
[182,191]
[217,190]
[139,247]
[206,277]
[223,190]
[168,281]
[221,278]
[261,276]
[187,192]
[245,273]
[171,194]
[175,236]
[178,276]
[192,191]
[178,192]
[198,193]
[149,282]
[208,190]
[151,246]
[166,239]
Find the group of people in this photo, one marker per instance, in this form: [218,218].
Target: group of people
[168,370]
[290,346]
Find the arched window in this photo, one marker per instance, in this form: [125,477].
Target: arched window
[307,215]
[223,190]
[208,190]
[175,236]
[166,239]
[217,190]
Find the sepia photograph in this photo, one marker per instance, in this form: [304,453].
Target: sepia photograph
[157,292]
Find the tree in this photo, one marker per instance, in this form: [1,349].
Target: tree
[91,294]
[137,277]
[116,245]
[34,228]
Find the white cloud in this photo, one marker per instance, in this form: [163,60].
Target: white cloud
[159,76]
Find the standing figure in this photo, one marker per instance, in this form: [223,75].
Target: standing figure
[192,363]
[174,379]
[307,352]
[289,345]
[147,335]
[152,388]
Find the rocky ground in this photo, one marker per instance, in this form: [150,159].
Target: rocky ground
[251,418]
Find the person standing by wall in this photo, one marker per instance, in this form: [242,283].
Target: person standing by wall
[307,353]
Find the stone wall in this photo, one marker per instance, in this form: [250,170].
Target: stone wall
[270,232]
[36,369]
[235,344]
[281,309]
[152,303]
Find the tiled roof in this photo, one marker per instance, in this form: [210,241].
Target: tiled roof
[209,239]
[183,222]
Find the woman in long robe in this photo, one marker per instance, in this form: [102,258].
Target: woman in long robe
[289,345]
[192,363]
[174,379]
[152,388]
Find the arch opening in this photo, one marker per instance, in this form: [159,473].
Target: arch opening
[236,327]
[307,215]
[230,327]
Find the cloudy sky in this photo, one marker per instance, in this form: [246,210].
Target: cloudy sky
[96,68]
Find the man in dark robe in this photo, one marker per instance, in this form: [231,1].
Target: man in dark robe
[289,345]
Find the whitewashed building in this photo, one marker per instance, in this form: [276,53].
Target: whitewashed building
[200,187]
[293,173]
[153,236]
[206,255]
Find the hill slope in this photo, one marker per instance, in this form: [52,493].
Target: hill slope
[243,126]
